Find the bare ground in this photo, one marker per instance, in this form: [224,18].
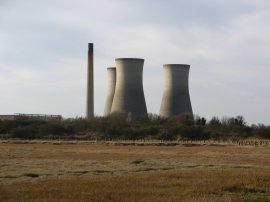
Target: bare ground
[128,171]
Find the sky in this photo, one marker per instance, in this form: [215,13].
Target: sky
[43,53]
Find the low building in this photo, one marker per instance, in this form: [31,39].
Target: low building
[45,117]
[7,117]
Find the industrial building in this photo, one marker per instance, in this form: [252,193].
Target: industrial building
[44,117]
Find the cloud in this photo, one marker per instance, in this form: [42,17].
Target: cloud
[43,52]
[56,89]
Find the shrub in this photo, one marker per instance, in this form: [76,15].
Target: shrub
[24,132]
[117,126]
[51,129]
[195,133]
[262,131]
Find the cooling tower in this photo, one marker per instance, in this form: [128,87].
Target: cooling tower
[129,95]
[90,83]
[175,100]
[111,72]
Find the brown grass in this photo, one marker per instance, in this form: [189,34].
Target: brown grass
[105,172]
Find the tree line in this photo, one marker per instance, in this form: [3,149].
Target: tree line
[123,127]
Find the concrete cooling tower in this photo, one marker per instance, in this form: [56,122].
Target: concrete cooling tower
[175,100]
[111,72]
[129,95]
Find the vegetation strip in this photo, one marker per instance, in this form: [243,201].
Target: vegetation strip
[149,127]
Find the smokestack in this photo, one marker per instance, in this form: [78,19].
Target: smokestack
[90,83]
[175,100]
[111,72]
[129,95]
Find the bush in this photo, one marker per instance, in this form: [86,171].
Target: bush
[51,129]
[24,132]
[117,126]
[195,133]
[262,131]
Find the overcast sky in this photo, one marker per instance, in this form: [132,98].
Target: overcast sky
[43,53]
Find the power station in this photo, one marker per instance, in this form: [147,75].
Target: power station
[125,92]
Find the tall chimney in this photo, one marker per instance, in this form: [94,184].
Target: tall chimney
[90,83]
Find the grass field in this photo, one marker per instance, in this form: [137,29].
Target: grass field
[114,171]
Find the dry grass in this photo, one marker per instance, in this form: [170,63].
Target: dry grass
[107,172]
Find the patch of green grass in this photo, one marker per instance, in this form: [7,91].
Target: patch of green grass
[138,161]
[191,145]
[145,169]
[79,172]
[245,189]
[102,171]
[256,197]
[33,175]
[193,166]
[10,176]
[167,168]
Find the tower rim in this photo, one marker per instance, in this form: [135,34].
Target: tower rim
[179,65]
[130,59]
